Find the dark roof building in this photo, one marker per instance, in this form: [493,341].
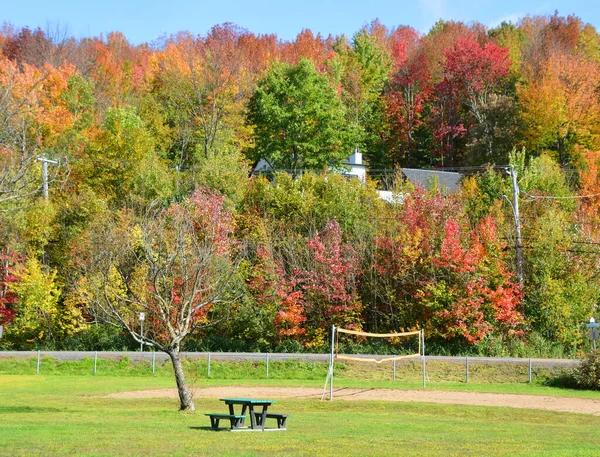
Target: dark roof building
[447,181]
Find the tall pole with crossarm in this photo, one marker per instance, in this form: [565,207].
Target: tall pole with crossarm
[45,163]
[515,208]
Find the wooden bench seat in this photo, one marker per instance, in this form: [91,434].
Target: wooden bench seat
[236,420]
[281,418]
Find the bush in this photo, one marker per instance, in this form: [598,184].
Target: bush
[587,375]
[584,376]
[98,338]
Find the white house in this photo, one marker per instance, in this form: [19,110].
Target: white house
[355,168]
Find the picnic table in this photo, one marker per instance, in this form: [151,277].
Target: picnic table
[257,418]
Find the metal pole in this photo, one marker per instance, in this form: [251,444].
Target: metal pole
[45,178]
[267,364]
[331,358]
[466,369]
[208,365]
[37,367]
[142,336]
[423,359]
[45,162]
[515,207]
[530,371]
[153,360]
[95,361]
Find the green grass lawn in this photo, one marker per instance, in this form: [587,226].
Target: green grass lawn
[65,413]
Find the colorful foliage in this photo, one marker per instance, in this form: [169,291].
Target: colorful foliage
[452,281]
[136,129]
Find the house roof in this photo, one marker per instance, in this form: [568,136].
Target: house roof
[447,180]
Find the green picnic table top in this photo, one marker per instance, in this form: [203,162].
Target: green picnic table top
[247,401]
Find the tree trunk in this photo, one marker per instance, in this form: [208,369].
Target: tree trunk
[185,397]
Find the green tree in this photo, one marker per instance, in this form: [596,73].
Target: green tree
[363,71]
[561,285]
[299,121]
[123,163]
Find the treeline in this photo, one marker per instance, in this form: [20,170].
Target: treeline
[147,144]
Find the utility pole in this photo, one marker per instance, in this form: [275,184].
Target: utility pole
[45,163]
[515,208]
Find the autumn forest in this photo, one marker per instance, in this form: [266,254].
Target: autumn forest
[128,185]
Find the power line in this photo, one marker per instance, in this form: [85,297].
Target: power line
[553,197]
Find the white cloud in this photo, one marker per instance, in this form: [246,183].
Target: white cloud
[514,18]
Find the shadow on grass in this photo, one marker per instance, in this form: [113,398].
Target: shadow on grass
[210,429]
[343,389]
[30,409]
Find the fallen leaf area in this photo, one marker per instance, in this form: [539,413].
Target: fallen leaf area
[561,404]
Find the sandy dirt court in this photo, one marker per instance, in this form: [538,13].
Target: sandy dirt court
[561,404]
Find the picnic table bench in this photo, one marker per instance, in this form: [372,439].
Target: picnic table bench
[281,419]
[257,418]
[236,420]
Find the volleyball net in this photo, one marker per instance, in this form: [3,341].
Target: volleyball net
[387,358]
[402,342]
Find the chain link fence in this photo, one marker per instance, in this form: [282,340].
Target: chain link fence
[432,369]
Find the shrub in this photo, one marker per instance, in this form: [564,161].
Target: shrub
[587,375]
[584,376]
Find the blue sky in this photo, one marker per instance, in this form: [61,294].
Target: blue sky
[145,21]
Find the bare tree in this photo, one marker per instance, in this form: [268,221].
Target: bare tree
[175,266]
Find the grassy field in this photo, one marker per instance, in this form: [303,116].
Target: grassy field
[65,412]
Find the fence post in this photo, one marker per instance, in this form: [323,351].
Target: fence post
[530,371]
[209,364]
[467,369]
[267,364]
[37,366]
[95,361]
[153,360]
[394,363]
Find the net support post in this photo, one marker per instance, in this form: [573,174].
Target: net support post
[331,362]
[329,377]
[423,359]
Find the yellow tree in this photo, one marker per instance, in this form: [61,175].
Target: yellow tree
[40,316]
